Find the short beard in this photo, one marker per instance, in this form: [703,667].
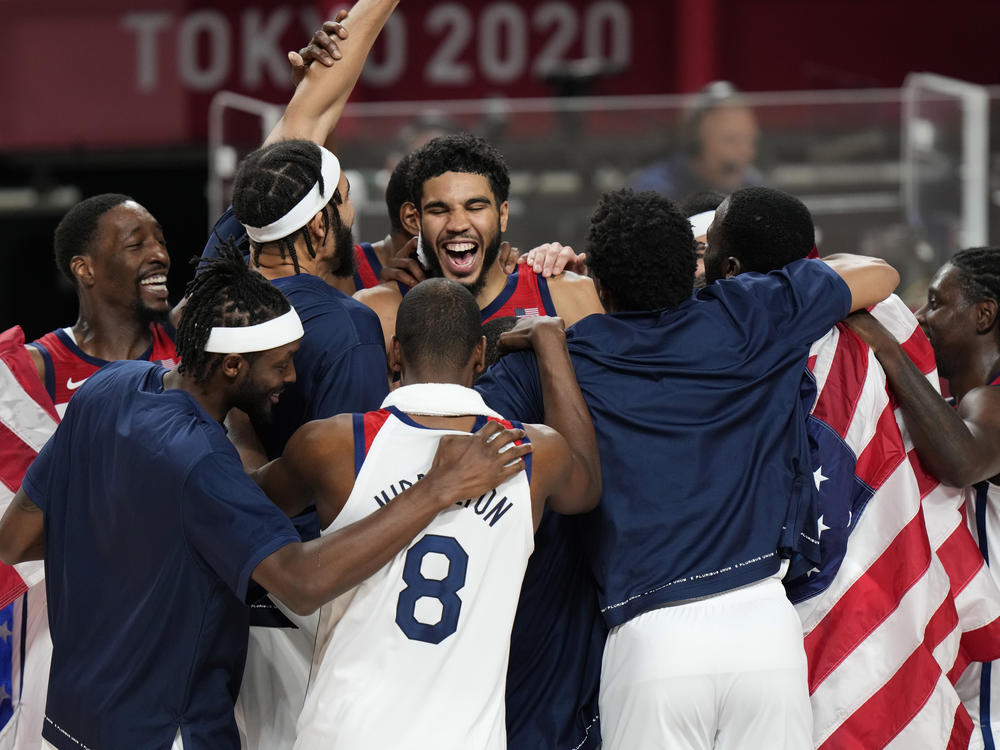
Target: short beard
[343,241]
[147,316]
[490,254]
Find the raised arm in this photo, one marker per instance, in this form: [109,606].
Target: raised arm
[305,576]
[870,280]
[319,99]
[576,488]
[959,447]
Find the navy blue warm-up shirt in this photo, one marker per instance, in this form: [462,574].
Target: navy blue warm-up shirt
[152,530]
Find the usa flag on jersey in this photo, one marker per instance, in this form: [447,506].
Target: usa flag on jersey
[902,601]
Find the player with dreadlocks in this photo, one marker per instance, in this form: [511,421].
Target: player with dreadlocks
[139,489]
[960,446]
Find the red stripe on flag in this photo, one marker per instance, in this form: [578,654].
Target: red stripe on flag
[919,350]
[373,423]
[839,398]
[961,558]
[884,452]
[961,730]
[866,604]
[925,480]
[895,704]
[11,585]
[811,363]
[981,644]
[15,458]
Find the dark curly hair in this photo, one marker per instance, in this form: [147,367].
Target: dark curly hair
[397,192]
[225,293]
[765,229]
[641,250]
[438,322]
[270,181]
[75,231]
[464,153]
[978,273]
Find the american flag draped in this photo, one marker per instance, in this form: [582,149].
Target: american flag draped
[902,601]
[27,420]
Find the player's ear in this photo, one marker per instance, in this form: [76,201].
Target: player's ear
[986,315]
[731,267]
[231,365]
[479,356]
[318,227]
[395,356]
[82,268]
[504,208]
[410,217]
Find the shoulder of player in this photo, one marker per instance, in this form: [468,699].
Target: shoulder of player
[38,360]
[321,439]
[982,407]
[546,442]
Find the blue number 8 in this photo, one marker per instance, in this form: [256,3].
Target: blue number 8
[444,590]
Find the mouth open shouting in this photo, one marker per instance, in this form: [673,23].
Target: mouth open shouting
[460,257]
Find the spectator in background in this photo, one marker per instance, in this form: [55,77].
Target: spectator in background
[717,147]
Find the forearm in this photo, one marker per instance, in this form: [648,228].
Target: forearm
[326,567]
[941,438]
[565,410]
[319,100]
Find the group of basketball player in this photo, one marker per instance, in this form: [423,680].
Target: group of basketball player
[436,585]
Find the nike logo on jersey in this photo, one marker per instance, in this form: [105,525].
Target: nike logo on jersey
[72,385]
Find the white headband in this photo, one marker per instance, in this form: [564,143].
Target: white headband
[701,222]
[300,214]
[267,335]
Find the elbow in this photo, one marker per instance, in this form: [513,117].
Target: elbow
[300,599]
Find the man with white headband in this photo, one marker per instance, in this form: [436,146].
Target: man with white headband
[152,530]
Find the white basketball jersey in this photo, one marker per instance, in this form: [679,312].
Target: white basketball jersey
[979,685]
[416,656]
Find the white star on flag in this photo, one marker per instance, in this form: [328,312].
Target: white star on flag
[822,526]
[818,477]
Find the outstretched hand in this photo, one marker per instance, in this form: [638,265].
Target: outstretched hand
[471,465]
[527,332]
[322,47]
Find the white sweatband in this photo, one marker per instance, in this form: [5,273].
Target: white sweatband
[300,214]
[701,222]
[267,335]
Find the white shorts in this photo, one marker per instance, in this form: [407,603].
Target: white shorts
[728,671]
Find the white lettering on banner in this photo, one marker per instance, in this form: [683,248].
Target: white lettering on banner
[498,22]
[562,17]
[262,47]
[614,17]
[146,26]
[499,43]
[215,26]
[385,66]
[444,69]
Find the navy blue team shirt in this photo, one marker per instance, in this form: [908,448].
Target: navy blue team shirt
[340,365]
[701,432]
[152,530]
